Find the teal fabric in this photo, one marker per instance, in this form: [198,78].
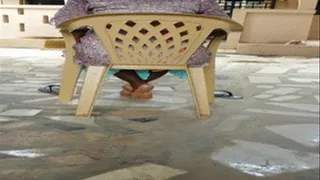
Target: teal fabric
[179,73]
[144,74]
[111,72]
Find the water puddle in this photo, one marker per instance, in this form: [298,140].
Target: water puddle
[258,159]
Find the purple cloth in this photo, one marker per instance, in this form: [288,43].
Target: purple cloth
[91,52]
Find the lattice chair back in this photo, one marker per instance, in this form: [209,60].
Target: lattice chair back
[151,39]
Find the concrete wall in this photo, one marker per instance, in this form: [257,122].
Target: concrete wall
[287,4]
[27,21]
[267,32]
[314,33]
[276,26]
[270,26]
[12,2]
[296,4]
[307,4]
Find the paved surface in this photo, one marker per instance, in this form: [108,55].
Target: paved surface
[273,133]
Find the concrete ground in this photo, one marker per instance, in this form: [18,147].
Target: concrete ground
[272,134]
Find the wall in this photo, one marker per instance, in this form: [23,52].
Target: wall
[276,26]
[287,4]
[314,33]
[303,5]
[296,4]
[307,4]
[270,26]
[12,2]
[27,21]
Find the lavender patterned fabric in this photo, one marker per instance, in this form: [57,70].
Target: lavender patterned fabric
[90,50]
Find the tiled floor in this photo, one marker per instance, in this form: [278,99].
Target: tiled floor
[273,133]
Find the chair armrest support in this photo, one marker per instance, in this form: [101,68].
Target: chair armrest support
[70,41]
[215,43]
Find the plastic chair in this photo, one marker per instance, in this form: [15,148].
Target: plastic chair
[140,41]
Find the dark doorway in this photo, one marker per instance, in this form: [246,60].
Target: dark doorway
[46,2]
[318,8]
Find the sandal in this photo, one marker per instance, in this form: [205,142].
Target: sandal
[50,89]
[226,95]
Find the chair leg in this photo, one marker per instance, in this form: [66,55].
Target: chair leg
[209,72]
[93,82]
[70,75]
[198,86]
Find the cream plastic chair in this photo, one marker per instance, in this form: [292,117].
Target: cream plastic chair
[143,41]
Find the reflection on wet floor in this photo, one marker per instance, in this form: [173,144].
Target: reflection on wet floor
[29,153]
[265,159]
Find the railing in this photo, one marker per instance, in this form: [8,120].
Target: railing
[229,5]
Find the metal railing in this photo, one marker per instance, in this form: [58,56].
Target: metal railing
[229,5]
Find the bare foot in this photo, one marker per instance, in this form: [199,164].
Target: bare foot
[127,87]
[126,90]
[142,92]
[124,93]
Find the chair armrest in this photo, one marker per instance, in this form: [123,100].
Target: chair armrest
[81,20]
[69,41]
[68,37]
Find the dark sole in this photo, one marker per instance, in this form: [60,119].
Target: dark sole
[50,89]
[226,95]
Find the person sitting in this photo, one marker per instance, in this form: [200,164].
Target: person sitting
[90,51]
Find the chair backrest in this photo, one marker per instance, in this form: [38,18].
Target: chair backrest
[151,38]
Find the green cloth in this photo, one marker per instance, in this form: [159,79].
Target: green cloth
[144,74]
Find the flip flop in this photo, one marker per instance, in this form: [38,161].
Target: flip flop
[50,89]
[226,95]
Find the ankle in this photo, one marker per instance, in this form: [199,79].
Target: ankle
[136,85]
